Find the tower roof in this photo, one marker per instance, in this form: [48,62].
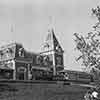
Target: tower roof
[51,42]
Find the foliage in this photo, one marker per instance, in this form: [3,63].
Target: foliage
[89,46]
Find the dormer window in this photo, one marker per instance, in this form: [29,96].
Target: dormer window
[7,50]
[21,52]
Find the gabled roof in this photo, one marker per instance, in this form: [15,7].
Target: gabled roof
[52,42]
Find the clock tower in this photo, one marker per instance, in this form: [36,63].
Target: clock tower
[54,51]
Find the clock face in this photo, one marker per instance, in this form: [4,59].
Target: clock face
[59,60]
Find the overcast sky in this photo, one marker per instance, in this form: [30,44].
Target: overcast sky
[30,20]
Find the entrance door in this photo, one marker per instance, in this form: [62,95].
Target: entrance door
[22,73]
[21,76]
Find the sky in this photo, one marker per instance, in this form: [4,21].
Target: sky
[28,21]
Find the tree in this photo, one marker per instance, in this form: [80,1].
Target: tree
[89,47]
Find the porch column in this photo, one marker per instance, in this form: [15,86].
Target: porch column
[14,69]
[29,72]
[14,74]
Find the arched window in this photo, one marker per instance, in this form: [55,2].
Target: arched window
[39,60]
[46,60]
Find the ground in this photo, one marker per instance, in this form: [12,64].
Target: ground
[40,90]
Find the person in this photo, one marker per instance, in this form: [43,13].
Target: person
[88,96]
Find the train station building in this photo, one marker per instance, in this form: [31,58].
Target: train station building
[17,63]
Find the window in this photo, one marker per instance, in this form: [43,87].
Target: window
[21,52]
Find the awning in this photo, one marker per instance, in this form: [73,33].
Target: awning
[27,61]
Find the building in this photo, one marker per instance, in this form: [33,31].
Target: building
[54,51]
[15,62]
[18,64]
